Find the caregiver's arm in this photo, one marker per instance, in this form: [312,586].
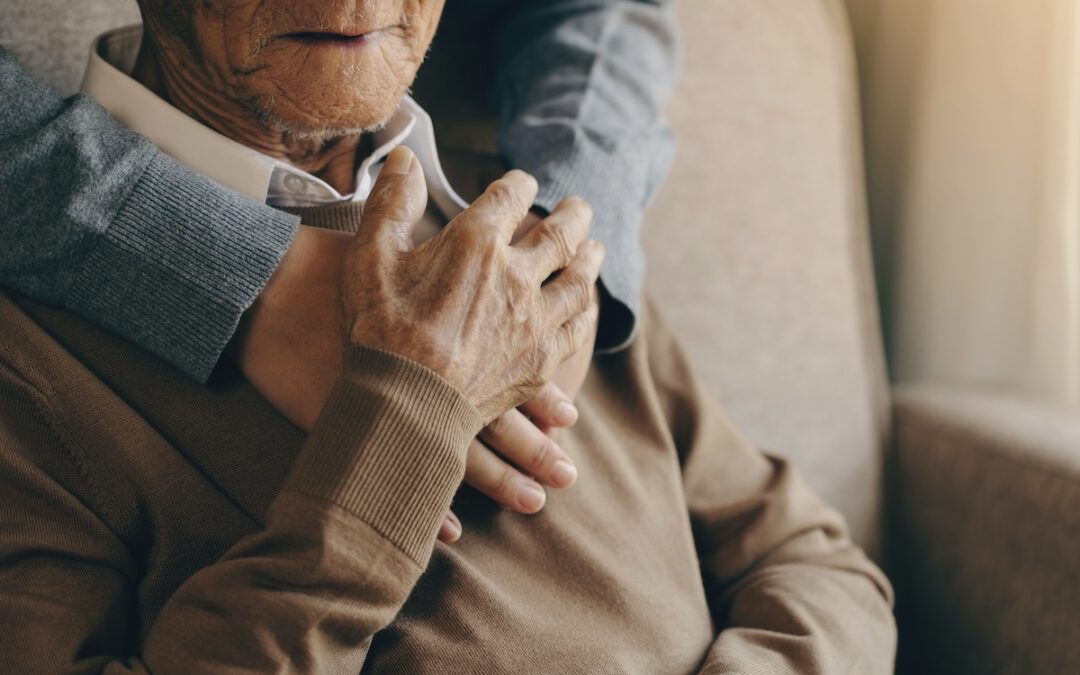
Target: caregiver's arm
[94,218]
[581,90]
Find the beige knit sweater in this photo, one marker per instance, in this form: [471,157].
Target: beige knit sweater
[149,524]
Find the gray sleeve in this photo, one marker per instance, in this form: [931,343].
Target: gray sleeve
[95,219]
[581,94]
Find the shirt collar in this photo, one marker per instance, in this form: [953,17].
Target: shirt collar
[205,151]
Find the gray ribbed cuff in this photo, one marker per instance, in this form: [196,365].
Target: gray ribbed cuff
[389,447]
[180,263]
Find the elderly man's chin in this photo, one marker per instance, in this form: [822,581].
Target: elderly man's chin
[327,89]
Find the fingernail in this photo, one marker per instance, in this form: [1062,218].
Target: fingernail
[565,414]
[531,497]
[398,161]
[563,474]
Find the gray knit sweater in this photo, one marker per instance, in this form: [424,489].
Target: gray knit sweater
[94,218]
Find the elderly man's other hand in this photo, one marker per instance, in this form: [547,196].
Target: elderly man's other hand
[290,346]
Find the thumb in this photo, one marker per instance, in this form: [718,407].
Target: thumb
[396,203]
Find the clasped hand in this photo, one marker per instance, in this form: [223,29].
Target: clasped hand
[471,303]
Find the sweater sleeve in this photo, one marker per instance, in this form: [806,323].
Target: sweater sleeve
[581,93]
[95,219]
[789,592]
[345,541]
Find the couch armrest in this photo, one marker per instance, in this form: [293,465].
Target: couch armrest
[985,530]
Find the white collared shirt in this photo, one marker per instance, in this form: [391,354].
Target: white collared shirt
[264,178]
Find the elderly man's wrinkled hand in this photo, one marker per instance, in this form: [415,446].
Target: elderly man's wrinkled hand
[495,319]
[466,303]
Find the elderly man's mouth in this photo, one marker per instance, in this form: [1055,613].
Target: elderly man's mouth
[334,39]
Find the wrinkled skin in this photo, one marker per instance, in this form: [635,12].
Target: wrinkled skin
[258,71]
[467,304]
[292,335]
[302,81]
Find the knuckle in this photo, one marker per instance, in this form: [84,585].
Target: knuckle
[506,197]
[577,331]
[560,240]
[502,488]
[579,288]
[543,455]
[574,328]
[501,190]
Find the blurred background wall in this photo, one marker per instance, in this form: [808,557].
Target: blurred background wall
[972,130]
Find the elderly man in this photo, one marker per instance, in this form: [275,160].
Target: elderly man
[155,525]
[94,218]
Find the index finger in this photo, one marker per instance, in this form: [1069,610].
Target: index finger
[502,207]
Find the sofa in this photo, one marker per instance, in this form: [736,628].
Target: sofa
[759,255]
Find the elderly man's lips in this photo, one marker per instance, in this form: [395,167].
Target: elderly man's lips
[334,39]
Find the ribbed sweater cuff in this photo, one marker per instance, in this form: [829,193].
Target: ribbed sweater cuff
[389,447]
[180,263]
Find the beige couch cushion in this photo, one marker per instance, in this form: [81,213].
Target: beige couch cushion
[757,245]
[986,530]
